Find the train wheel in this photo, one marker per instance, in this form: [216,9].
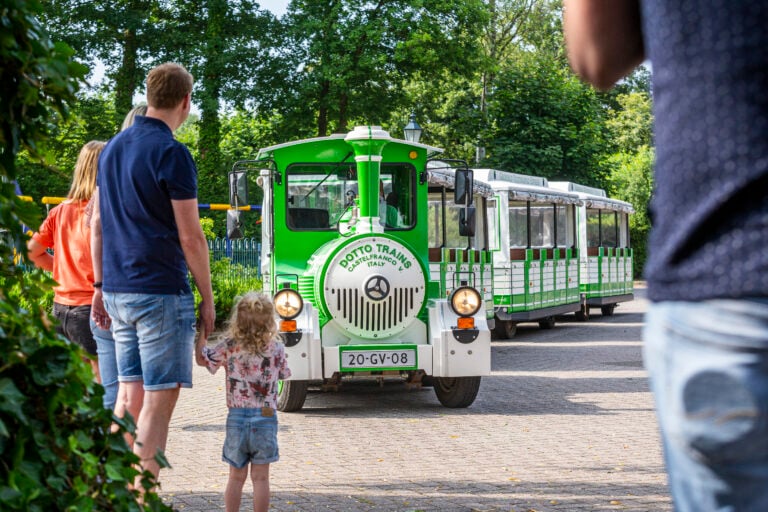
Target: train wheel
[607,310]
[291,395]
[547,323]
[582,315]
[456,392]
[505,329]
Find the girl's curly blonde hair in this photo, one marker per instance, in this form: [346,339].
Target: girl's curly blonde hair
[252,322]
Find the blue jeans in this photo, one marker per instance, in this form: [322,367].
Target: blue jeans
[105,348]
[154,338]
[708,366]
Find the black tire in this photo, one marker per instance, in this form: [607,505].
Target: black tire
[456,392]
[607,310]
[547,323]
[582,315]
[505,329]
[291,395]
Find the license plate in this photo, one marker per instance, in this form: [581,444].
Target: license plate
[378,359]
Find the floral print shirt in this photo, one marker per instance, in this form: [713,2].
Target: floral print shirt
[251,378]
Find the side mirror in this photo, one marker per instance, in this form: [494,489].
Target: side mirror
[463,189]
[467,221]
[234,230]
[238,188]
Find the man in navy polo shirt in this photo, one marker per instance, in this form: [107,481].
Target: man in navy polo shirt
[706,333]
[147,237]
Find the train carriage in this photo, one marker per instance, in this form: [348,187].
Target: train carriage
[530,230]
[606,262]
[532,236]
[345,254]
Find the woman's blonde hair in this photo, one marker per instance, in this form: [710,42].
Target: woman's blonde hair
[84,178]
[252,322]
[138,110]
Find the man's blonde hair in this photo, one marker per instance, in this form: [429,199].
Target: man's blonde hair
[252,322]
[167,84]
[84,178]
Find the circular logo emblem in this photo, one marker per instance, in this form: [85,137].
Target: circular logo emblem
[377,288]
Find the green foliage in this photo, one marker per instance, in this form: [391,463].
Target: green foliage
[57,448]
[351,57]
[229,281]
[207,224]
[122,35]
[545,122]
[631,180]
[631,122]
[49,173]
[631,167]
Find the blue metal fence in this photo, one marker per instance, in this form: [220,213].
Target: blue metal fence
[243,253]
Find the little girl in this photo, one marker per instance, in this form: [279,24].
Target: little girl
[254,360]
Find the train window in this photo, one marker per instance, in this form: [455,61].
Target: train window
[318,195]
[542,225]
[435,220]
[565,225]
[493,225]
[452,237]
[593,227]
[447,235]
[609,229]
[396,205]
[624,230]
[518,224]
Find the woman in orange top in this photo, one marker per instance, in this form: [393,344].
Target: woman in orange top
[67,231]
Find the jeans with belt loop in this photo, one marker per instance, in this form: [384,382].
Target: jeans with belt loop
[708,368]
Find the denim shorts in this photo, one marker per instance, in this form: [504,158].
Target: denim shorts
[74,324]
[105,347]
[154,338]
[251,437]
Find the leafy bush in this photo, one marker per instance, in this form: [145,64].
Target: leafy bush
[229,281]
[57,447]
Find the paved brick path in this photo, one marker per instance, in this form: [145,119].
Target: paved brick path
[565,423]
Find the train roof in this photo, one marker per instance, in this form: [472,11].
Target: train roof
[264,152]
[593,197]
[487,182]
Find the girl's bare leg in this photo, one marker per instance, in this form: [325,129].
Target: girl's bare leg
[234,491]
[260,479]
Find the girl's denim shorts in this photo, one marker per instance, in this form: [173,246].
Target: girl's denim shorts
[251,437]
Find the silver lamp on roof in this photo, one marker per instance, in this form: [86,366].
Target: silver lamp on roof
[412,130]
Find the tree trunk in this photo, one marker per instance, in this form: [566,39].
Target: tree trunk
[125,81]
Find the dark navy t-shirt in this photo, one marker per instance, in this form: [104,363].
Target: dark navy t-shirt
[140,170]
[710,204]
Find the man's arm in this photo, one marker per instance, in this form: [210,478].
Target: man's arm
[98,312]
[603,38]
[196,254]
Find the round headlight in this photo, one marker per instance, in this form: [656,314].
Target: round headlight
[288,303]
[465,301]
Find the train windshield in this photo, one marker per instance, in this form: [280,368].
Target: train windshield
[320,195]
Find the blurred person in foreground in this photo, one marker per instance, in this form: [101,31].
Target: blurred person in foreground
[148,235]
[706,332]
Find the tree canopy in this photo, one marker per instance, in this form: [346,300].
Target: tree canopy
[487,79]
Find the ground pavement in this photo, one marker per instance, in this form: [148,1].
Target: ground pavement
[564,423]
